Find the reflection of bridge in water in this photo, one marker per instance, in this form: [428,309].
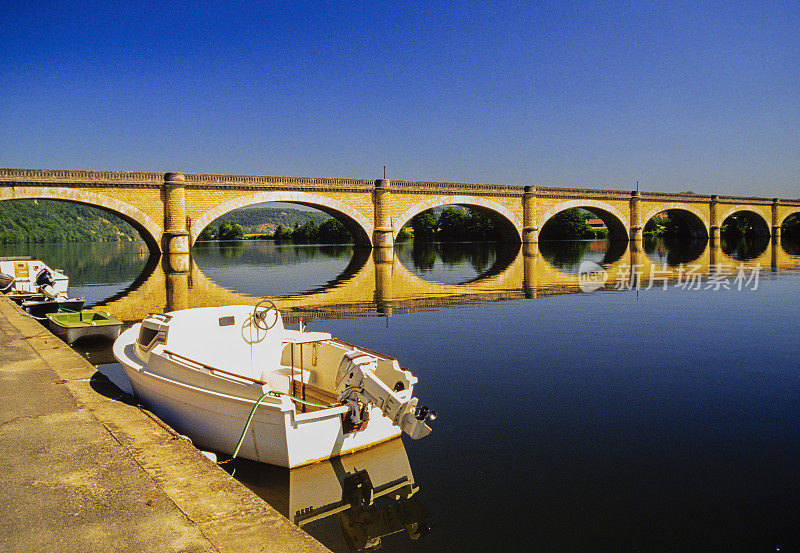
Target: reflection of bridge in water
[377,281]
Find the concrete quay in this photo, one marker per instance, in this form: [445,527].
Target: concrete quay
[86,469]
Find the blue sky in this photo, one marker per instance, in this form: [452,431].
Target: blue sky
[677,95]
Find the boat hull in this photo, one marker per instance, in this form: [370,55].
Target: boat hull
[284,438]
[41,309]
[103,328]
[213,412]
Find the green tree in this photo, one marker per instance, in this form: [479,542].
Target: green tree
[481,226]
[568,224]
[307,232]
[27,221]
[425,226]
[405,234]
[209,233]
[230,231]
[334,232]
[282,232]
[453,224]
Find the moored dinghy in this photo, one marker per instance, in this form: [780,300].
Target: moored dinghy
[86,323]
[302,396]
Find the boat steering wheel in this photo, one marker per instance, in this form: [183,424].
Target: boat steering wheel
[261,313]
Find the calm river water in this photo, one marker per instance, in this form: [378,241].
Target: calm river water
[620,419]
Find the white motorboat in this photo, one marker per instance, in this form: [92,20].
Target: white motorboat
[24,277]
[235,380]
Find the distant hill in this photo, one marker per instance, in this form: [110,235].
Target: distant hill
[26,221]
[264,220]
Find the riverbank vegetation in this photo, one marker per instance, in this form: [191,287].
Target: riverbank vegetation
[54,221]
[452,224]
[791,227]
[330,231]
[572,224]
[264,220]
[668,225]
[663,225]
[743,224]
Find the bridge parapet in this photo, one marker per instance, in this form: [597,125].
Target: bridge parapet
[36,176]
[583,193]
[458,188]
[676,197]
[745,199]
[278,183]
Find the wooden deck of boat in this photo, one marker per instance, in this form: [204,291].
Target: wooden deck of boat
[313,394]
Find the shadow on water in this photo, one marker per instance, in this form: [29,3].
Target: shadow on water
[362,501]
[230,250]
[146,273]
[567,255]
[791,244]
[456,262]
[276,269]
[357,261]
[674,250]
[742,248]
[104,386]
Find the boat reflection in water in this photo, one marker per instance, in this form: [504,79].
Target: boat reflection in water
[372,494]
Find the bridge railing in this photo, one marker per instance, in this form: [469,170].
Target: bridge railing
[294,183]
[45,176]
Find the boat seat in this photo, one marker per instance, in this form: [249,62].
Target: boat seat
[279,378]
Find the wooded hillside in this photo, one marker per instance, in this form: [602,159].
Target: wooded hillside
[26,221]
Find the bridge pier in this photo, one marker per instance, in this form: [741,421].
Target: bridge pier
[714,223]
[776,222]
[635,232]
[530,230]
[383,233]
[175,241]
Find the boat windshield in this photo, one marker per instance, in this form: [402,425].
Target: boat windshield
[146,336]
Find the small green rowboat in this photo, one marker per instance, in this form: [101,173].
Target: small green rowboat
[71,326]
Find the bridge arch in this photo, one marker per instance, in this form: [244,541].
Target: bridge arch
[510,228]
[762,222]
[614,220]
[788,216]
[149,230]
[359,226]
[693,218]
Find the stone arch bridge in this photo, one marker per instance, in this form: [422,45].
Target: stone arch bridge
[171,209]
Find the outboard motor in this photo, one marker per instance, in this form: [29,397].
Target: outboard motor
[357,382]
[44,280]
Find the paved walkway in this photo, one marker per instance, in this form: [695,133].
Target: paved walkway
[82,468]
